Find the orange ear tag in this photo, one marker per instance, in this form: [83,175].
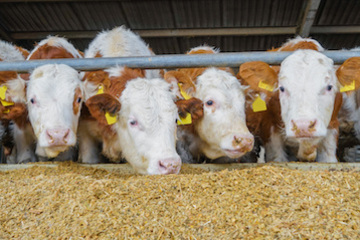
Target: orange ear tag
[259,105]
[266,86]
[3,92]
[349,87]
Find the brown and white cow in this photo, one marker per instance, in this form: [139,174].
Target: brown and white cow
[302,105]
[131,116]
[53,97]
[12,106]
[218,128]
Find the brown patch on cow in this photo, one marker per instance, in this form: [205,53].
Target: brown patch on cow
[334,122]
[50,52]
[118,84]
[98,55]
[7,75]
[23,51]
[25,76]
[76,102]
[251,73]
[293,47]
[180,77]
[349,71]
[201,51]
[99,104]
[194,106]
[81,53]
[17,112]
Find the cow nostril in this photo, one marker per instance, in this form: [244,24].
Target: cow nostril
[237,140]
[162,166]
[312,124]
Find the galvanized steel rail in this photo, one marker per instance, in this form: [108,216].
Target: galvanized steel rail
[170,61]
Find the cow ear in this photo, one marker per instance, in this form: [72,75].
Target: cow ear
[193,106]
[348,74]
[176,78]
[258,75]
[17,112]
[103,107]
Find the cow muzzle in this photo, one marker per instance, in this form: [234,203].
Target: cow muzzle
[240,144]
[58,136]
[304,128]
[169,165]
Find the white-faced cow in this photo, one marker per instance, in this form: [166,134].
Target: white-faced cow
[131,116]
[303,101]
[218,128]
[53,97]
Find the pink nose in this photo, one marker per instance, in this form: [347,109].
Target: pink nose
[243,142]
[304,127]
[170,165]
[58,136]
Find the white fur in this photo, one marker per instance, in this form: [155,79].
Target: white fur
[57,42]
[9,52]
[52,87]
[217,127]
[298,39]
[120,42]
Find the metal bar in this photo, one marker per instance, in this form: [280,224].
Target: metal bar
[127,169]
[308,17]
[335,30]
[170,61]
[166,32]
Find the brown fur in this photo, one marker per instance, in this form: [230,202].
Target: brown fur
[76,104]
[50,52]
[349,71]
[23,51]
[18,113]
[334,122]
[7,75]
[294,47]
[98,105]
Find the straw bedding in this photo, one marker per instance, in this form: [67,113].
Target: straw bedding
[72,201]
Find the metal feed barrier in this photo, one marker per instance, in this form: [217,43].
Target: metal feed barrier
[170,61]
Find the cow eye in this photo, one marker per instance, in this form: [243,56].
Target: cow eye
[282,89]
[79,100]
[210,102]
[32,101]
[329,87]
[133,122]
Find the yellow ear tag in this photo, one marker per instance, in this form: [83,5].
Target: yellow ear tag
[6,104]
[6,111]
[183,93]
[349,87]
[266,86]
[110,118]
[3,92]
[100,90]
[259,105]
[185,121]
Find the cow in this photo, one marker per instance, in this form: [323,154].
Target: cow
[303,100]
[130,113]
[54,98]
[12,95]
[217,127]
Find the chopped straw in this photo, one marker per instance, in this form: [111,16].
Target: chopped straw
[76,202]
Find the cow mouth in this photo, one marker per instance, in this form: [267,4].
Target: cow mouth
[234,153]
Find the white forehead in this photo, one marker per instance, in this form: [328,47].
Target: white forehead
[215,80]
[9,53]
[118,42]
[150,98]
[307,68]
[57,42]
[53,80]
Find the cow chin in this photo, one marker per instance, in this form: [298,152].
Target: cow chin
[52,152]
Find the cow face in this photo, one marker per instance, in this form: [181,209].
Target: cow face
[223,128]
[54,97]
[307,89]
[145,126]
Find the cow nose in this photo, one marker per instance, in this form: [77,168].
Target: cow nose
[58,136]
[243,142]
[304,127]
[170,165]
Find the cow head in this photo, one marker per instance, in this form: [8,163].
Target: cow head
[221,124]
[308,90]
[143,115]
[54,98]
[12,86]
